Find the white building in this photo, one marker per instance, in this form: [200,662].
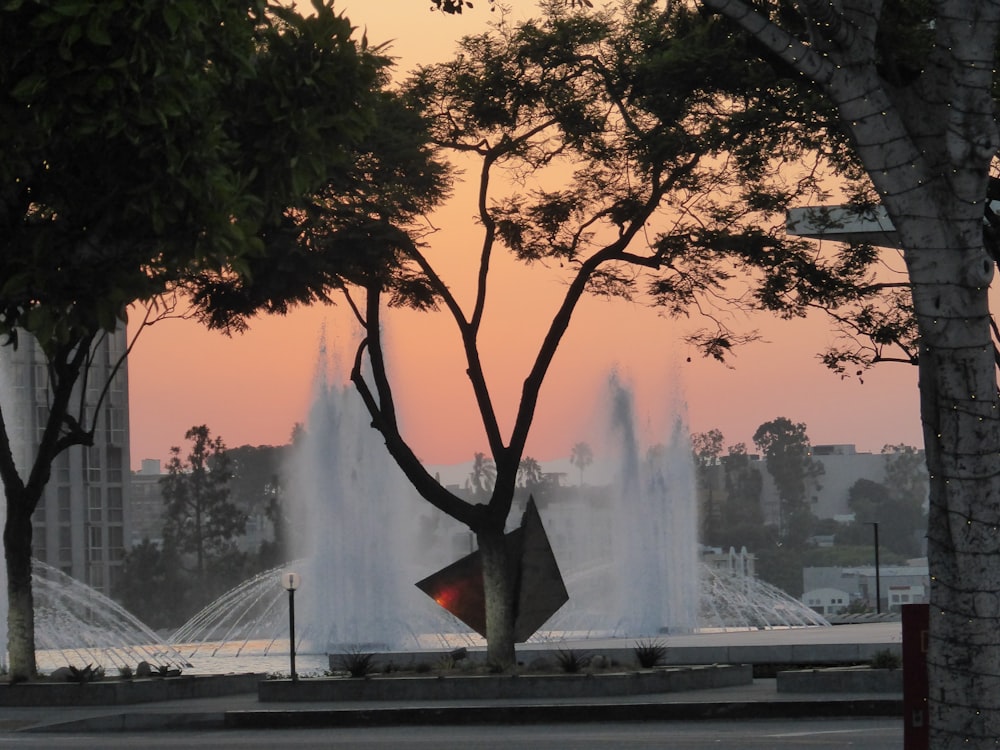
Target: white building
[896,585]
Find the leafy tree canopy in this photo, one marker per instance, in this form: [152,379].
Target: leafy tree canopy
[143,143]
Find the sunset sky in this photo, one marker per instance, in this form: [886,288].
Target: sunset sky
[252,389]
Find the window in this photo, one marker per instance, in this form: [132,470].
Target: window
[93,470]
[65,509]
[95,505]
[95,548]
[116,543]
[39,547]
[114,463]
[96,576]
[115,507]
[116,425]
[65,545]
[60,468]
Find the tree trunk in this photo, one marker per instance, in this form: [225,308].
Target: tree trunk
[498,586]
[20,602]
[959,409]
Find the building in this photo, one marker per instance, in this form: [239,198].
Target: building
[146,504]
[825,588]
[80,525]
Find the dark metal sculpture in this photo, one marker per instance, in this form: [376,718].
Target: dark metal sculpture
[539,590]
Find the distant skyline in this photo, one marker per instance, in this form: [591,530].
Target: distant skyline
[253,388]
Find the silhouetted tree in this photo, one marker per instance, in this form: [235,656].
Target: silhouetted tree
[529,473]
[153,586]
[706,448]
[787,453]
[647,110]
[482,475]
[257,488]
[913,86]
[146,147]
[581,457]
[199,517]
[897,505]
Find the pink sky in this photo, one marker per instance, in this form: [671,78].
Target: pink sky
[253,388]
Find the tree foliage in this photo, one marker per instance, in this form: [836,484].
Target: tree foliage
[529,473]
[146,144]
[788,456]
[897,504]
[152,585]
[675,144]
[147,148]
[581,456]
[199,518]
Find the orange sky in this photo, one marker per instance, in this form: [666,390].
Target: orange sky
[253,388]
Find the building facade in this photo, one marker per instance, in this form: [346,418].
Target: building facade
[895,585]
[80,525]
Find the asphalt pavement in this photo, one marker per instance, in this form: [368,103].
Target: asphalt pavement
[757,700]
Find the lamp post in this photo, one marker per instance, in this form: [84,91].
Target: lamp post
[290,581]
[878,582]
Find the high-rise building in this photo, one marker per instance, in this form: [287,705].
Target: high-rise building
[80,524]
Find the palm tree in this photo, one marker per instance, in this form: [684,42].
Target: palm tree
[483,474]
[581,457]
[529,471]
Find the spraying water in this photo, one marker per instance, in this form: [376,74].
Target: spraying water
[357,518]
[628,550]
[655,566]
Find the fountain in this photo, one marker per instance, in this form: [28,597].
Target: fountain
[354,527]
[76,625]
[655,519]
[360,525]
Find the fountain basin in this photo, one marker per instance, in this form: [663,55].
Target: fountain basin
[126,692]
[493,687]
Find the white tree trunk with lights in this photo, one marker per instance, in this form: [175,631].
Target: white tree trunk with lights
[927,148]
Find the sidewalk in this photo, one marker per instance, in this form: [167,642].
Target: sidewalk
[758,700]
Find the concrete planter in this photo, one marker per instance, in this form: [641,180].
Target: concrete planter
[841,680]
[490,687]
[125,692]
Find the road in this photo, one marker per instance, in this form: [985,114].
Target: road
[805,734]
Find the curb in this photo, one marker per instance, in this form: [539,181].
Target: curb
[558,713]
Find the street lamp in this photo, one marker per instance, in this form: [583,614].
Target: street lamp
[290,581]
[878,582]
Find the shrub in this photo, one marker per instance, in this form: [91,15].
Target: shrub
[87,674]
[650,653]
[571,661]
[885,659]
[357,663]
[446,663]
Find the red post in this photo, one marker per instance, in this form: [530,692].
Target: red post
[916,732]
